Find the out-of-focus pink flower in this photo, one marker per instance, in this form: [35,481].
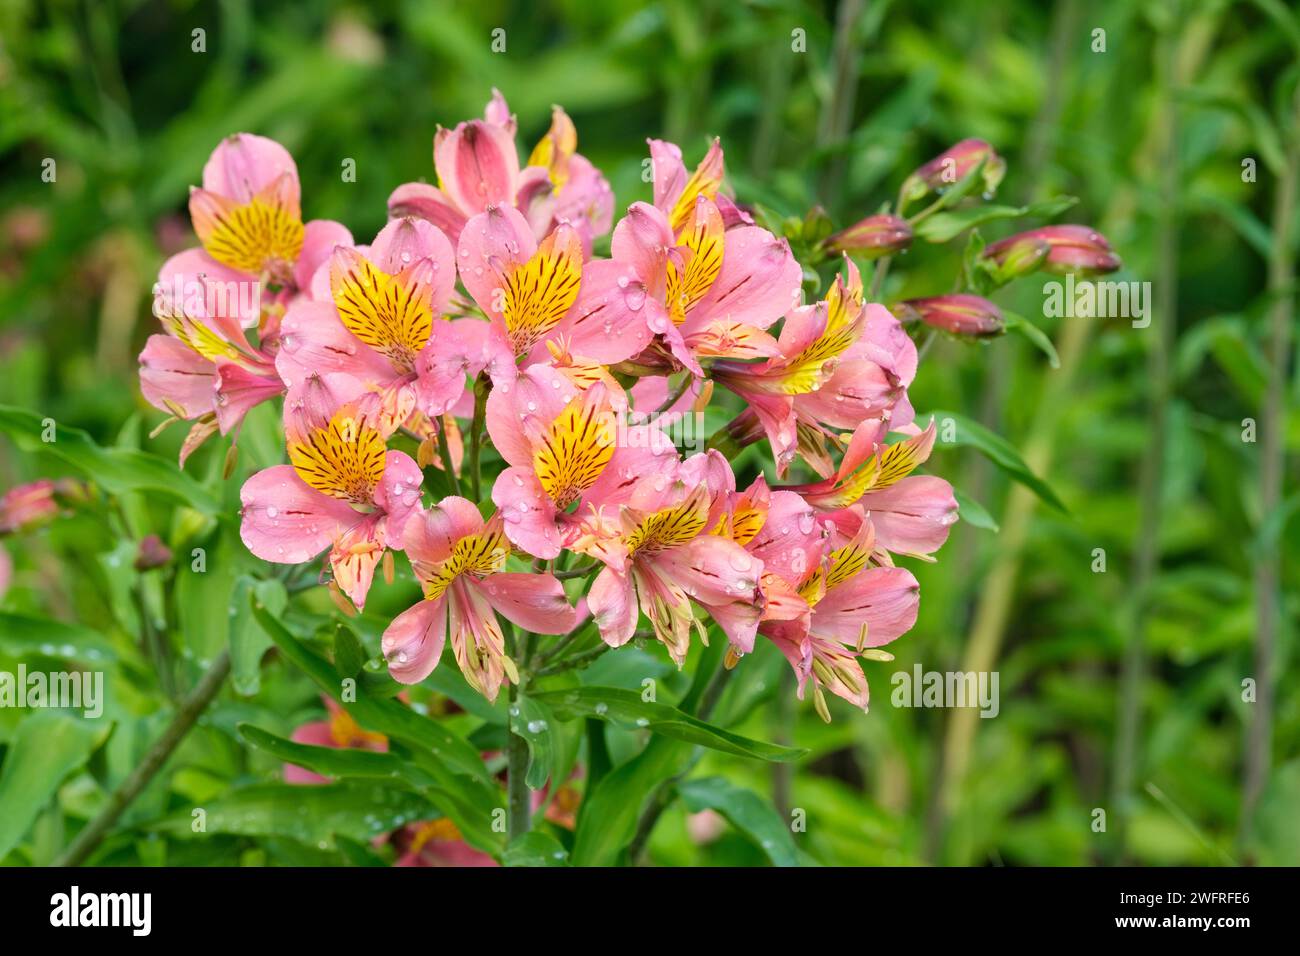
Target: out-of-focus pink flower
[542,296]
[841,362]
[340,731]
[959,314]
[1080,250]
[874,236]
[343,491]
[478,167]
[28,506]
[564,446]
[460,560]
[662,558]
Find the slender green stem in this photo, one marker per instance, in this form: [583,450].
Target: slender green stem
[518,801]
[1281,283]
[187,714]
[444,452]
[481,387]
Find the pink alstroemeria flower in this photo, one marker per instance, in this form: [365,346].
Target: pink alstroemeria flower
[478,166]
[661,558]
[248,218]
[204,369]
[841,362]
[541,296]
[826,604]
[340,731]
[383,327]
[459,559]
[911,514]
[714,291]
[344,491]
[566,444]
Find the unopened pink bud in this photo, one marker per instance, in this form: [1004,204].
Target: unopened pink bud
[952,165]
[959,314]
[152,553]
[28,506]
[1081,250]
[1018,255]
[880,235]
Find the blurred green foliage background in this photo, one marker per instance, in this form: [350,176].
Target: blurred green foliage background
[1150,134]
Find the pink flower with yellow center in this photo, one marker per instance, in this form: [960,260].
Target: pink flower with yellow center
[661,558]
[568,455]
[716,282]
[542,296]
[841,361]
[378,328]
[460,562]
[343,491]
[912,514]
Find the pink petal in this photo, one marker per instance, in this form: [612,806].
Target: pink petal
[404,242]
[238,390]
[173,372]
[243,165]
[413,643]
[314,340]
[427,202]
[490,243]
[477,165]
[431,536]
[885,599]
[528,512]
[398,493]
[794,540]
[912,516]
[607,323]
[320,236]
[642,239]
[612,603]
[535,602]
[286,521]
[760,280]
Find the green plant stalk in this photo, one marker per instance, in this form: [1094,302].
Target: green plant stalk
[194,704]
[1281,285]
[1146,557]
[444,452]
[518,809]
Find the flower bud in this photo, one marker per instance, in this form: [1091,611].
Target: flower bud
[951,166]
[1017,256]
[875,236]
[28,506]
[1081,250]
[152,553]
[960,314]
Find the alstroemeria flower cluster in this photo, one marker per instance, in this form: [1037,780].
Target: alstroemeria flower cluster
[479,319]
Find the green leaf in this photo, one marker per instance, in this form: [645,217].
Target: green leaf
[608,816]
[465,791]
[349,657]
[338,762]
[999,451]
[46,748]
[626,707]
[943,226]
[249,641]
[313,815]
[974,513]
[746,811]
[1018,323]
[23,636]
[116,470]
[536,848]
[531,720]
